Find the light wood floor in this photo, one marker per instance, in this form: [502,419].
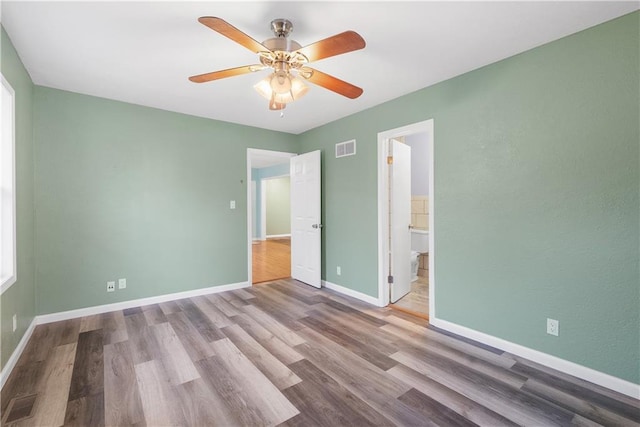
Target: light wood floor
[286,354]
[417,300]
[271,260]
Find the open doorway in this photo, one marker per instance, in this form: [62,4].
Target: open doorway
[405,191]
[271,248]
[269,224]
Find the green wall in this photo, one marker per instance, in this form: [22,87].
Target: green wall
[278,206]
[125,191]
[19,299]
[536,196]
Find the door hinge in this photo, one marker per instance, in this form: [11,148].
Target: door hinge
[389,160]
[390,279]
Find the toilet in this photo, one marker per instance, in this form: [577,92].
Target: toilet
[419,245]
[415,260]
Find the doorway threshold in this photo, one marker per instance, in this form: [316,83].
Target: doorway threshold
[409,311]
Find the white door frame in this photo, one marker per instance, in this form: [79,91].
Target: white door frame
[263,210]
[250,153]
[251,210]
[383,208]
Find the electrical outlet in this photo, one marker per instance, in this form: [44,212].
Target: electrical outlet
[122,283]
[15,322]
[553,327]
[111,286]
[338,270]
[232,204]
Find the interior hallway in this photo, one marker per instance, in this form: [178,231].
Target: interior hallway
[271,259]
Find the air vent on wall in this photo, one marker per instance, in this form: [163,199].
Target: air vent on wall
[347,148]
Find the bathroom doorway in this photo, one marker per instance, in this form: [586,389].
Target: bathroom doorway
[406,255]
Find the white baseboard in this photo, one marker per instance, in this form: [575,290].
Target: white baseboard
[350,292]
[81,312]
[278,236]
[11,363]
[571,368]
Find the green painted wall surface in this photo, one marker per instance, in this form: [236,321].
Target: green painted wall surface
[536,196]
[19,299]
[349,202]
[125,191]
[278,206]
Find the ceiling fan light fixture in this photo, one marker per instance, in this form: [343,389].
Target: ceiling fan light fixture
[280,82]
[275,106]
[296,90]
[264,88]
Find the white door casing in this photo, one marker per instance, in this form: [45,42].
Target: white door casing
[305,218]
[263,209]
[400,219]
[254,213]
[384,138]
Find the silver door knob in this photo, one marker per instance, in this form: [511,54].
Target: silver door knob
[317,225]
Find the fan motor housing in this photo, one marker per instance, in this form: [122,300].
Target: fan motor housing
[281,44]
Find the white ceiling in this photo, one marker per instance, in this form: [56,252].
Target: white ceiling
[143,52]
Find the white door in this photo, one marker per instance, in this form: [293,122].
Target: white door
[400,220]
[305,218]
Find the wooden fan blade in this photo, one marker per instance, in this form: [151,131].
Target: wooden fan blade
[223,74]
[223,27]
[332,46]
[332,83]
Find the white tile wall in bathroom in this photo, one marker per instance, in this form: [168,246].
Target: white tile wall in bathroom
[420,212]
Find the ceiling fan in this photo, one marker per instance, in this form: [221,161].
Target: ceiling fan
[288,60]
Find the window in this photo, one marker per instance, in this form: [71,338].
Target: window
[8,274]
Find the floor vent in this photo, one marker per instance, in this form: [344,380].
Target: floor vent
[347,148]
[19,408]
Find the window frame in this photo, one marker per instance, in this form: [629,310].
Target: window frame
[8,159]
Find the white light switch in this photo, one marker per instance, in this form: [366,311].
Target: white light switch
[122,283]
[232,204]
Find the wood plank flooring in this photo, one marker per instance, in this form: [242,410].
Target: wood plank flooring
[284,353]
[271,260]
